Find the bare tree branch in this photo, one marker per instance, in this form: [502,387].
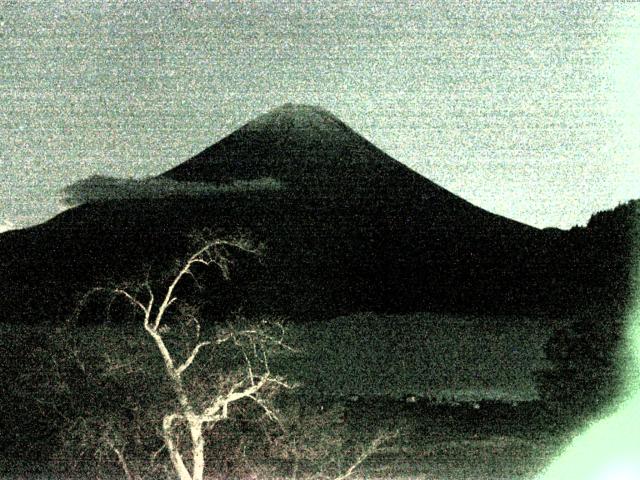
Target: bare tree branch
[122,461]
[191,358]
[134,301]
[174,453]
[254,343]
[366,453]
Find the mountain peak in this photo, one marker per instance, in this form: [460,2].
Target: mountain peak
[310,119]
[298,144]
[300,109]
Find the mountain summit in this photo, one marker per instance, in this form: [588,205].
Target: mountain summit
[317,156]
[304,146]
[309,119]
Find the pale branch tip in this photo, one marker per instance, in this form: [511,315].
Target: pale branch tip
[122,461]
[134,301]
[366,453]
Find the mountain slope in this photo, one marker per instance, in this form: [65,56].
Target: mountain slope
[351,229]
[314,153]
[300,144]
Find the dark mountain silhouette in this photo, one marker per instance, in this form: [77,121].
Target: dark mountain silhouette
[348,229]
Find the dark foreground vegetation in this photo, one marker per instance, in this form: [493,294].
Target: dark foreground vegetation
[76,393]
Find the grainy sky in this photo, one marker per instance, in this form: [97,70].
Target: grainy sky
[527,109]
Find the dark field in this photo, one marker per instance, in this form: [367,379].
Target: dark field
[483,440]
[48,399]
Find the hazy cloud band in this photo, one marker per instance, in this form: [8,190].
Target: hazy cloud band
[99,188]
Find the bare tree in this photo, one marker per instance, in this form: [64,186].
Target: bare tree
[197,400]
[190,413]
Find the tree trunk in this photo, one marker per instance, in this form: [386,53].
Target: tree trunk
[176,458]
[197,447]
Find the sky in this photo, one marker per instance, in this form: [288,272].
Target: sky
[530,110]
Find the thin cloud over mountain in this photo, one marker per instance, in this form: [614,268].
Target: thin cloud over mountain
[99,188]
